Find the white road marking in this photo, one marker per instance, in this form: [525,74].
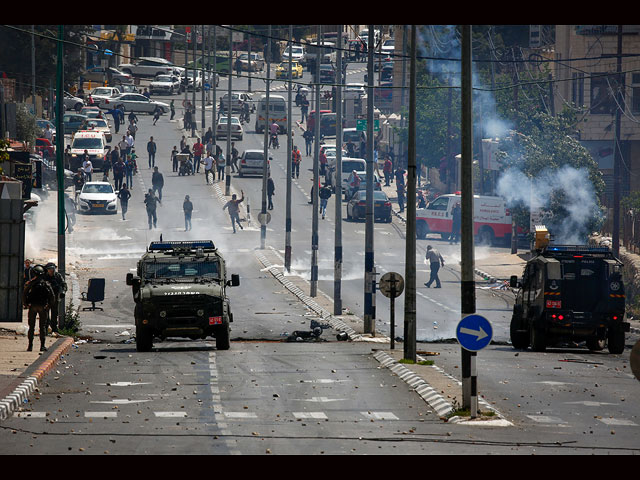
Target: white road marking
[316,415]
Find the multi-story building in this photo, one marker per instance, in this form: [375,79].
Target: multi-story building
[586,66]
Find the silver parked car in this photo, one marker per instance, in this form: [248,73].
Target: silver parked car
[134,102]
[252,162]
[71,102]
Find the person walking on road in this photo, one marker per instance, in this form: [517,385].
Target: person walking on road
[129,168]
[187,207]
[435,260]
[221,162]
[325,194]
[78,183]
[271,191]
[59,287]
[234,158]
[456,215]
[198,150]
[124,195]
[308,140]
[174,159]
[38,296]
[151,150]
[304,108]
[173,109]
[208,167]
[296,158]
[157,181]
[234,210]
[151,202]
[118,173]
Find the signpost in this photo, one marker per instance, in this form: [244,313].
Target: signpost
[391,286]
[474,332]
[361,125]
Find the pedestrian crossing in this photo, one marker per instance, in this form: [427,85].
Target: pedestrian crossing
[336,415]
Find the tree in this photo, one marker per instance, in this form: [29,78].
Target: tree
[15,55]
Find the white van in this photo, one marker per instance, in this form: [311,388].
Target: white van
[491,218]
[277,113]
[348,166]
[94,142]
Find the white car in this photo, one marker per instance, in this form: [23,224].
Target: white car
[97,197]
[149,67]
[165,84]
[134,102]
[100,93]
[298,54]
[236,128]
[71,102]
[98,125]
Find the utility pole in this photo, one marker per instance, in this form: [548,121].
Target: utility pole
[214,116]
[263,210]
[617,153]
[60,163]
[203,129]
[194,40]
[187,38]
[227,167]
[314,190]
[33,69]
[369,276]
[287,226]
[468,288]
[410,237]
[337,263]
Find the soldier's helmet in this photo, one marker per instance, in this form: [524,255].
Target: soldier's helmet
[38,270]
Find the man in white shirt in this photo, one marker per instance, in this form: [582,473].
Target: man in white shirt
[123,146]
[87,166]
[130,142]
[208,166]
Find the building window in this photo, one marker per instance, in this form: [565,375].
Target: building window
[577,89]
[603,89]
[635,93]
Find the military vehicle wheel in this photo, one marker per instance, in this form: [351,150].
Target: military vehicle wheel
[538,339]
[222,339]
[596,344]
[144,340]
[615,342]
[519,338]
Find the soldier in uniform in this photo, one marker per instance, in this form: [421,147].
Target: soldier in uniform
[38,297]
[59,287]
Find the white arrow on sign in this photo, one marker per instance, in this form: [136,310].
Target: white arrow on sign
[480,334]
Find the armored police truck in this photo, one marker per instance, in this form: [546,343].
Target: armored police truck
[570,293]
[180,291]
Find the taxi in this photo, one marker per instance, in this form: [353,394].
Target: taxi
[282,70]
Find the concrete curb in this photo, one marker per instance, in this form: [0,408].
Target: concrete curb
[34,374]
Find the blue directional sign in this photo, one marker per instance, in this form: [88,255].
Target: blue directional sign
[474,332]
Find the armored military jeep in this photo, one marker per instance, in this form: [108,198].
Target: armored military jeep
[180,291]
[570,293]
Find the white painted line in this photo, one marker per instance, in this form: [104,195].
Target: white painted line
[380,415]
[240,415]
[618,421]
[118,401]
[31,414]
[101,414]
[316,415]
[170,414]
[545,419]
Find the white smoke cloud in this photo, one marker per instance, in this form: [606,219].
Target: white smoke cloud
[571,184]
